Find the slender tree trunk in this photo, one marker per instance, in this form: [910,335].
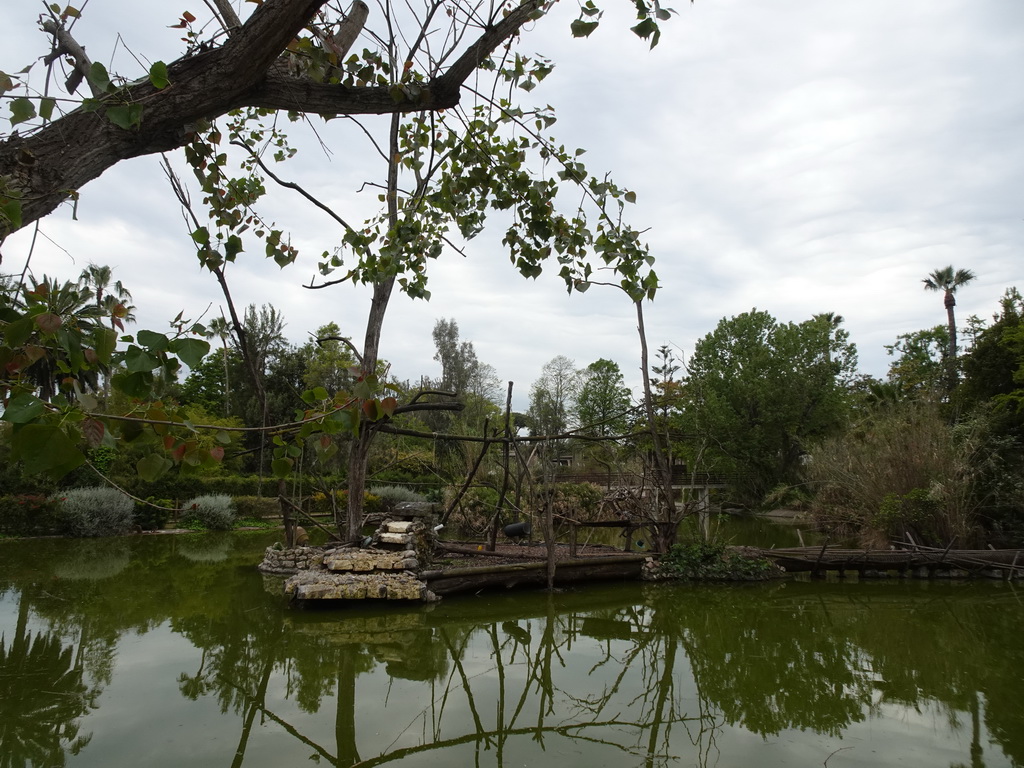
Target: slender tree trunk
[951,373]
[227,384]
[492,541]
[360,450]
[665,522]
[345,715]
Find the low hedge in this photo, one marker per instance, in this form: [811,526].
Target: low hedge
[29,515]
[256,507]
[173,486]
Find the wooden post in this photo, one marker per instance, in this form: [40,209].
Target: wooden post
[286,517]
[814,570]
[549,535]
[492,541]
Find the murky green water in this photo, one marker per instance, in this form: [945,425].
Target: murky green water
[168,651]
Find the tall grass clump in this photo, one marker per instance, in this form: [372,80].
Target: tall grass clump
[89,512]
[214,513]
[903,469]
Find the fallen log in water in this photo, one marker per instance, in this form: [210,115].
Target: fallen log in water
[1007,562]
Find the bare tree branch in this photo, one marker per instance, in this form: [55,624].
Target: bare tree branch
[66,45]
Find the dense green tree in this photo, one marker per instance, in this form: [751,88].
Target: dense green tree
[329,360]
[667,394]
[919,364]
[994,368]
[205,384]
[948,281]
[758,392]
[603,402]
[457,358]
[220,329]
[263,332]
[553,397]
[602,410]
[462,371]
[474,385]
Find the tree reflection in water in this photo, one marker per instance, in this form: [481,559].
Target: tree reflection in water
[42,697]
[614,675]
[605,677]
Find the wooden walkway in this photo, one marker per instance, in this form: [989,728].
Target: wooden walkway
[917,561]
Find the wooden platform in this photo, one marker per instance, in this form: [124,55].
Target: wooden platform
[449,581]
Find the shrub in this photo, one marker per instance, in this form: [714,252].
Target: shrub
[257,512]
[214,513]
[913,512]
[149,516]
[177,486]
[29,515]
[87,512]
[890,454]
[707,561]
[784,496]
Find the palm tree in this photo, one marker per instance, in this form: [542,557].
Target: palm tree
[947,281]
[221,328]
[111,295]
[70,309]
[111,299]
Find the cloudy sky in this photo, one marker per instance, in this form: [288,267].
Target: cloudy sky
[791,155]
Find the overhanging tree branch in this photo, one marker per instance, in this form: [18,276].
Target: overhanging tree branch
[45,168]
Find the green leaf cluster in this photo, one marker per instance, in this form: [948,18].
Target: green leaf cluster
[55,347]
[231,200]
[328,419]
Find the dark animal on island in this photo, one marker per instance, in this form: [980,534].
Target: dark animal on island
[517,531]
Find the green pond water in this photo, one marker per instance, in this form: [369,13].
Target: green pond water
[174,651]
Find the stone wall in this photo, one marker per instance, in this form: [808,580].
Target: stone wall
[388,571]
[279,560]
[327,585]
